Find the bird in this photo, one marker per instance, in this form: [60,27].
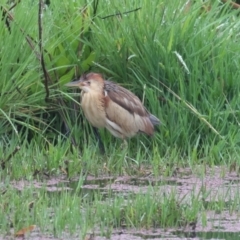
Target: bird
[108,105]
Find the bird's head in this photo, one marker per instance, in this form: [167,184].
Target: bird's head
[88,82]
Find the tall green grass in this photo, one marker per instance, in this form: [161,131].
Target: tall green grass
[182,62]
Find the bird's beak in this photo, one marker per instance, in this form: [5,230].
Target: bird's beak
[74,84]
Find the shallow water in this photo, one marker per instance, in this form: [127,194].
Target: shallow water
[217,182]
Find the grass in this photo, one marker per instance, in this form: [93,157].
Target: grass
[68,211]
[182,62]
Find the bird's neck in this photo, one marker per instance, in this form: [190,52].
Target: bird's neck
[93,107]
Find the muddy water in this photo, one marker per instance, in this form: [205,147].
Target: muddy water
[218,183]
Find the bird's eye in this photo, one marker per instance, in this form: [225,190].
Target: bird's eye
[88,82]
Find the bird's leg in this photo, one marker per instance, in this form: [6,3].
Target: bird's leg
[124,144]
[100,143]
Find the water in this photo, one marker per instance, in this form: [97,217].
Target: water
[216,184]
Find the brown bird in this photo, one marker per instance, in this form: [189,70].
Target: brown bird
[107,104]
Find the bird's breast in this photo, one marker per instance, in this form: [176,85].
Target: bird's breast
[93,108]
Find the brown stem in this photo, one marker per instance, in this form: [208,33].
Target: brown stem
[29,39]
[117,14]
[46,75]
[232,4]
[3,163]
[4,13]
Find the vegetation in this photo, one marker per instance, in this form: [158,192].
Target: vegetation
[180,59]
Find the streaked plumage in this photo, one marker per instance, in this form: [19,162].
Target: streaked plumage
[107,104]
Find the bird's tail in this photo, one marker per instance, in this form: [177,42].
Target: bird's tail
[154,120]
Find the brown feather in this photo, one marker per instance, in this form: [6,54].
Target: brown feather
[93,108]
[126,114]
[92,101]
[107,104]
[96,76]
[124,98]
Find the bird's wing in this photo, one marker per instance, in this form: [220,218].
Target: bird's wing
[125,113]
[124,98]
